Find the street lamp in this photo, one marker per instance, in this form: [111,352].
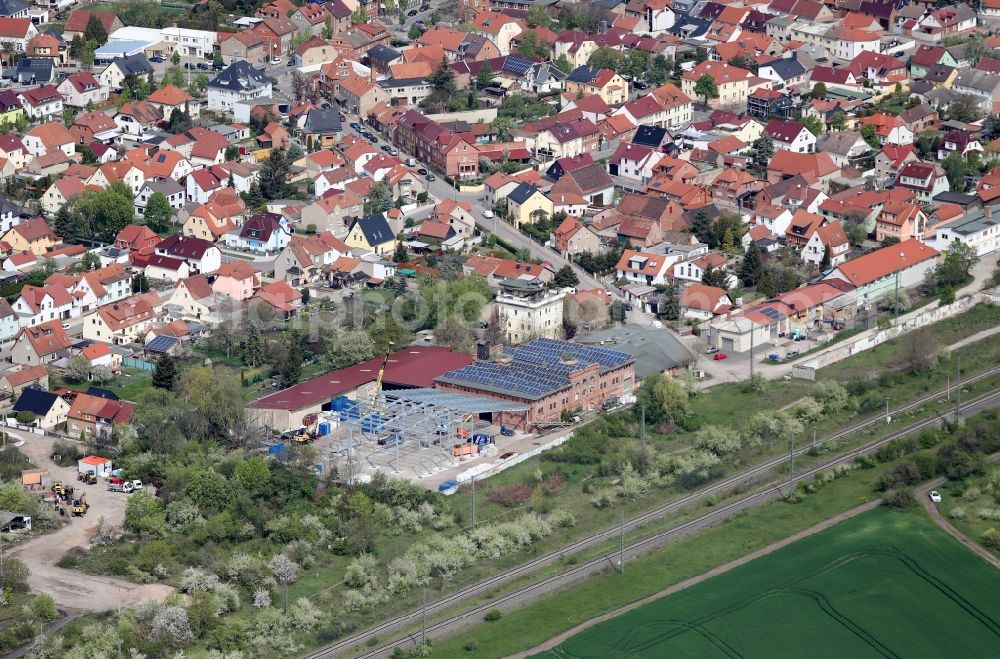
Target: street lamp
[888,419]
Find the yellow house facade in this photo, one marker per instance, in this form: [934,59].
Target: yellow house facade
[372,234]
[33,236]
[527,204]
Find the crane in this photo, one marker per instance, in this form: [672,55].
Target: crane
[381,373]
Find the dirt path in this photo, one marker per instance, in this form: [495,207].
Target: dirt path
[70,588]
[936,516]
[687,583]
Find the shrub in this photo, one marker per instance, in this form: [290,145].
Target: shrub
[971,494]
[959,514]
[898,498]
[553,484]
[991,538]
[510,496]
[471,645]
[493,615]
[562,519]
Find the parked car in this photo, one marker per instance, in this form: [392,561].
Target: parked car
[393,151]
[203,66]
[711,351]
[719,356]
[136,485]
[156,59]
[411,13]
[935,497]
[422,171]
[488,214]
[431,177]
[424,8]
[65,326]
[639,84]
[355,126]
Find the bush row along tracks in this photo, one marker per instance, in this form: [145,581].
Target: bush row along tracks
[719,487]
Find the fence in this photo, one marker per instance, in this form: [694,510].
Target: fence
[916,320]
[131,362]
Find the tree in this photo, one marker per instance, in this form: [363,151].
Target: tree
[538,16]
[532,46]
[818,91]
[414,33]
[273,178]
[838,121]
[379,199]
[43,607]
[253,197]
[290,367]
[175,59]
[78,368]
[143,514]
[751,267]
[812,124]
[158,212]
[66,224]
[252,475]
[140,282]
[763,151]
[605,57]
[95,32]
[165,373]
[502,126]
[664,399]
[954,268]
[956,169]
[669,307]
[285,572]
[965,108]
[824,264]
[217,61]
[349,347]
[232,153]
[485,75]
[563,64]
[743,62]
[442,82]
[180,120]
[254,348]
[359,16]
[565,278]
[14,574]
[715,277]
[705,88]
[108,211]
[870,135]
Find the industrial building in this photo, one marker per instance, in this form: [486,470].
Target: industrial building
[409,368]
[549,377]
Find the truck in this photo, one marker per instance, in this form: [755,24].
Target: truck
[88,477]
[80,506]
[120,486]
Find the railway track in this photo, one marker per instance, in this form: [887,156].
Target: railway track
[338,647]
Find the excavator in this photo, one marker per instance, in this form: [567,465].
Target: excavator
[378,381]
[309,431]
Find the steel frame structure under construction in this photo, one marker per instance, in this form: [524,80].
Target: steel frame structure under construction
[417,428]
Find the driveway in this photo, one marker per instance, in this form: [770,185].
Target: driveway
[71,589]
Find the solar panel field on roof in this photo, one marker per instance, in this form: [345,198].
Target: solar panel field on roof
[516,65]
[161,343]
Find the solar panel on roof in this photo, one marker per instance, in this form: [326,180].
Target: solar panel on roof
[516,65]
[161,343]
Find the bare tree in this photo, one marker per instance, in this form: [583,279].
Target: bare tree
[285,572]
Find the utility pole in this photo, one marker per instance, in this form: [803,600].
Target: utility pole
[791,463]
[473,502]
[621,545]
[896,305]
[948,389]
[888,418]
[751,348]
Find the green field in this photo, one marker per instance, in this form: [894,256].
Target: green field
[882,584]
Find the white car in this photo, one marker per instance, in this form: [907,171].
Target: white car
[66,326]
[488,215]
[935,497]
[136,485]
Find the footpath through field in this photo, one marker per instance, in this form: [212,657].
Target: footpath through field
[687,583]
[946,526]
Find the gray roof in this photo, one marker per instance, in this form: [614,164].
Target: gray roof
[841,143]
[522,193]
[786,68]
[376,228]
[11,7]
[983,81]
[654,349]
[167,186]
[383,53]
[583,74]
[455,401]
[9,207]
[34,69]
[323,120]
[36,401]
[133,64]
[973,222]
[238,76]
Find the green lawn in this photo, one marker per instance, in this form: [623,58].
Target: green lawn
[966,504]
[882,584]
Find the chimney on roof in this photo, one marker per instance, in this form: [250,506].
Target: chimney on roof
[603,27]
[988,211]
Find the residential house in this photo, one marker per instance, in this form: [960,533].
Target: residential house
[644,267]
[790,136]
[121,322]
[50,410]
[927,180]
[890,129]
[240,81]
[202,255]
[91,127]
[168,187]
[845,147]
[138,118]
[829,238]
[277,34]
[60,192]
[115,73]
[81,89]
[136,238]
[42,102]
[32,235]
[13,382]
[96,416]
[605,83]
[15,33]
[565,139]
[236,279]
[902,221]
[527,204]
[49,138]
[39,304]
[573,237]
[371,233]
[878,274]
[42,344]
[264,232]
[983,85]
[76,22]
[170,98]
[702,302]
[734,84]
[322,127]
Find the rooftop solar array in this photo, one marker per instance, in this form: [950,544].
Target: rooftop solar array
[161,344]
[538,368]
[516,65]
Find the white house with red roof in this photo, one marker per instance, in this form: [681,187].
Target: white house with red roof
[829,236]
[878,273]
[644,111]
[790,136]
[927,180]
[644,267]
[635,162]
[42,344]
[202,255]
[16,33]
[693,270]
[82,88]
[39,304]
[702,302]
[201,183]
[42,102]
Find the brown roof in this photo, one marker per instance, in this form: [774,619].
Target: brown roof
[170,95]
[47,338]
[885,261]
